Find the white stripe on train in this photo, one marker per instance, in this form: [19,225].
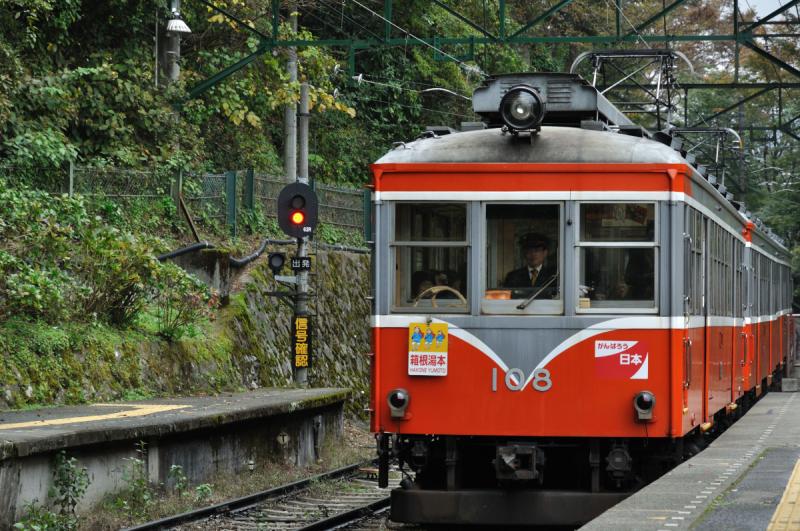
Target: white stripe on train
[621,323]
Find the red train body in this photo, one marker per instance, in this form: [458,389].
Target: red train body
[667,314]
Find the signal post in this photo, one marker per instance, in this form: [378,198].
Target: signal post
[297,217]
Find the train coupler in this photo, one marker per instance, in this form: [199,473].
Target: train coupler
[519,462]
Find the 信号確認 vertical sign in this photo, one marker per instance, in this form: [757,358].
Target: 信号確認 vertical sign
[301,341]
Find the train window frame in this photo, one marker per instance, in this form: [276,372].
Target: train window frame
[581,245]
[397,245]
[543,307]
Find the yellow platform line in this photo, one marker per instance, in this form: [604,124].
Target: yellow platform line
[136,410]
[787,514]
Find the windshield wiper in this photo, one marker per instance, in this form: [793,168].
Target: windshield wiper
[524,304]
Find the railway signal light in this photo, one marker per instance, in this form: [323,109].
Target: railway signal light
[297,210]
[276,261]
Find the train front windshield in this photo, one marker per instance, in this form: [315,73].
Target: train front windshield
[523,243]
[521,264]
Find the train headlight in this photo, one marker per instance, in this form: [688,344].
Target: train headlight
[398,402]
[522,108]
[644,403]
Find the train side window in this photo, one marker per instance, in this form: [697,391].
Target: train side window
[431,250]
[617,257]
[523,255]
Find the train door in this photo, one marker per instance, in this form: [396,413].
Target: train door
[763,317]
[752,318]
[775,349]
[718,308]
[693,318]
[707,294]
[740,377]
[754,307]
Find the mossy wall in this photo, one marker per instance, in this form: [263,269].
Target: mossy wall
[260,326]
[78,363]
[245,347]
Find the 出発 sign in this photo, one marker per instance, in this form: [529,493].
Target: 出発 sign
[301,341]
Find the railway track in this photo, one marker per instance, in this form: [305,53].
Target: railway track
[326,501]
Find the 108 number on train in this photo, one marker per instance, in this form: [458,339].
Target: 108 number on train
[515,380]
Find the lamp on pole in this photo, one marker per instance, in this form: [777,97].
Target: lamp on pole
[175,28]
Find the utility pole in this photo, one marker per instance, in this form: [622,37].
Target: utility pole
[301,299]
[175,28]
[290,111]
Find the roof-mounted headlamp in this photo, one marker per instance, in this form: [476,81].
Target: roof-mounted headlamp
[522,109]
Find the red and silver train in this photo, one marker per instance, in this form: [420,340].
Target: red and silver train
[564,304]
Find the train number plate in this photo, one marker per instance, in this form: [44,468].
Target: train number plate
[427,349]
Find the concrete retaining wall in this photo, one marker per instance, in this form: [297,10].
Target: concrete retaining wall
[203,453]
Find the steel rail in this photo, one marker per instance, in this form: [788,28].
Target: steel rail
[350,516]
[244,501]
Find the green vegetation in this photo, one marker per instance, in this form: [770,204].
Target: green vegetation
[137,494]
[69,486]
[85,270]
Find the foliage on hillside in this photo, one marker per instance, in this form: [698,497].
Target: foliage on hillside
[77,82]
[61,262]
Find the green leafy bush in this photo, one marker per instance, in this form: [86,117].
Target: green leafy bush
[69,485]
[59,262]
[137,496]
[181,300]
[115,268]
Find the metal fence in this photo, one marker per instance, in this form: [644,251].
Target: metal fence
[216,199]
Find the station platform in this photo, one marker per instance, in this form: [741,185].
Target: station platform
[206,436]
[745,479]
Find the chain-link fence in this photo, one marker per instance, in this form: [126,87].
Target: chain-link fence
[346,206]
[215,200]
[206,197]
[266,190]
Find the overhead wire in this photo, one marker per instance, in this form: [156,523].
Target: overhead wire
[622,14]
[438,111]
[638,34]
[334,28]
[405,89]
[419,83]
[618,8]
[467,67]
[332,9]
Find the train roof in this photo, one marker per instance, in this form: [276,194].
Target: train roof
[553,144]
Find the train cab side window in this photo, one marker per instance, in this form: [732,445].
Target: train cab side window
[617,257]
[431,250]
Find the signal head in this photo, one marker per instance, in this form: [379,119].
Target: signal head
[275,261]
[297,210]
[298,201]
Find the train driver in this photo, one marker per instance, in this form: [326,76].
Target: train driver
[537,271]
